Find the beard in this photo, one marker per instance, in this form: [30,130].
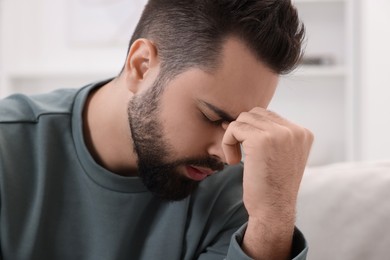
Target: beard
[164,178]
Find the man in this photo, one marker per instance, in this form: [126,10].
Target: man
[134,167]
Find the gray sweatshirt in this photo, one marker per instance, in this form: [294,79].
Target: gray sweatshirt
[58,203]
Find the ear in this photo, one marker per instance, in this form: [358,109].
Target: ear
[141,60]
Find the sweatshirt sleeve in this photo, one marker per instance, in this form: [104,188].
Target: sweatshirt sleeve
[299,246]
[219,220]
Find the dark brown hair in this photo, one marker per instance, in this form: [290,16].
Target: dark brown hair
[190,33]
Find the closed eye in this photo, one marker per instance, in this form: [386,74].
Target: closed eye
[217,122]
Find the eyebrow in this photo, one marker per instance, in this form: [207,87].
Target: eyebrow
[221,113]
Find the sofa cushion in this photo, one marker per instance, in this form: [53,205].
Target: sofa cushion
[344,211]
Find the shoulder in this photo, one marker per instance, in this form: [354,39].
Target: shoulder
[23,108]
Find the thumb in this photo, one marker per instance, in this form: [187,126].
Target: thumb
[231,147]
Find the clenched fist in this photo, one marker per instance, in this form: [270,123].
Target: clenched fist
[276,152]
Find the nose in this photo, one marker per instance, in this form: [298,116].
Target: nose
[215,147]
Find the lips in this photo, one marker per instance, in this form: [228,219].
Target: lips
[198,173]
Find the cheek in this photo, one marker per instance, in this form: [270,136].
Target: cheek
[187,135]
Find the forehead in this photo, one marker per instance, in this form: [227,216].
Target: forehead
[240,82]
[242,77]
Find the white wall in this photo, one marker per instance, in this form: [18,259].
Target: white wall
[375,79]
[37,54]
[47,44]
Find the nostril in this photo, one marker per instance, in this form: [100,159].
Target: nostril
[219,156]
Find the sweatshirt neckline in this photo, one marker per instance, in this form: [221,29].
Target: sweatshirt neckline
[95,172]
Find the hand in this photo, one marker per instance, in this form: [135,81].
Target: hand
[276,152]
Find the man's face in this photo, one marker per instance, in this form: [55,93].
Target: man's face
[177,133]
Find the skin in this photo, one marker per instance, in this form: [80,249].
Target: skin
[276,150]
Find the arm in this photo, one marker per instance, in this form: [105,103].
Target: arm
[299,247]
[276,152]
[227,221]
[228,246]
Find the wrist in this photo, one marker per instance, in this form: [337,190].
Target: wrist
[277,214]
[268,238]
[274,226]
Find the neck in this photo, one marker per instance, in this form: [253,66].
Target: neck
[106,128]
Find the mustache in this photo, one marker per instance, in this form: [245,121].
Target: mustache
[206,162]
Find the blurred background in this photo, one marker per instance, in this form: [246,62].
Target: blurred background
[340,91]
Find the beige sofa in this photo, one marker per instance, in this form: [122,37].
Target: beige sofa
[344,211]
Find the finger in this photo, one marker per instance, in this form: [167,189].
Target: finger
[235,134]
[271,122]
[258,114]
[232,151]
[281,133]
[260,121]
[272,116]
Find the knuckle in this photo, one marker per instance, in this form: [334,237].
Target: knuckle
[309,136]
[243,116]
[286,133]
[303,135]
[272,114]
[233,124]
[299,133]
[266,138]
[257,110]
